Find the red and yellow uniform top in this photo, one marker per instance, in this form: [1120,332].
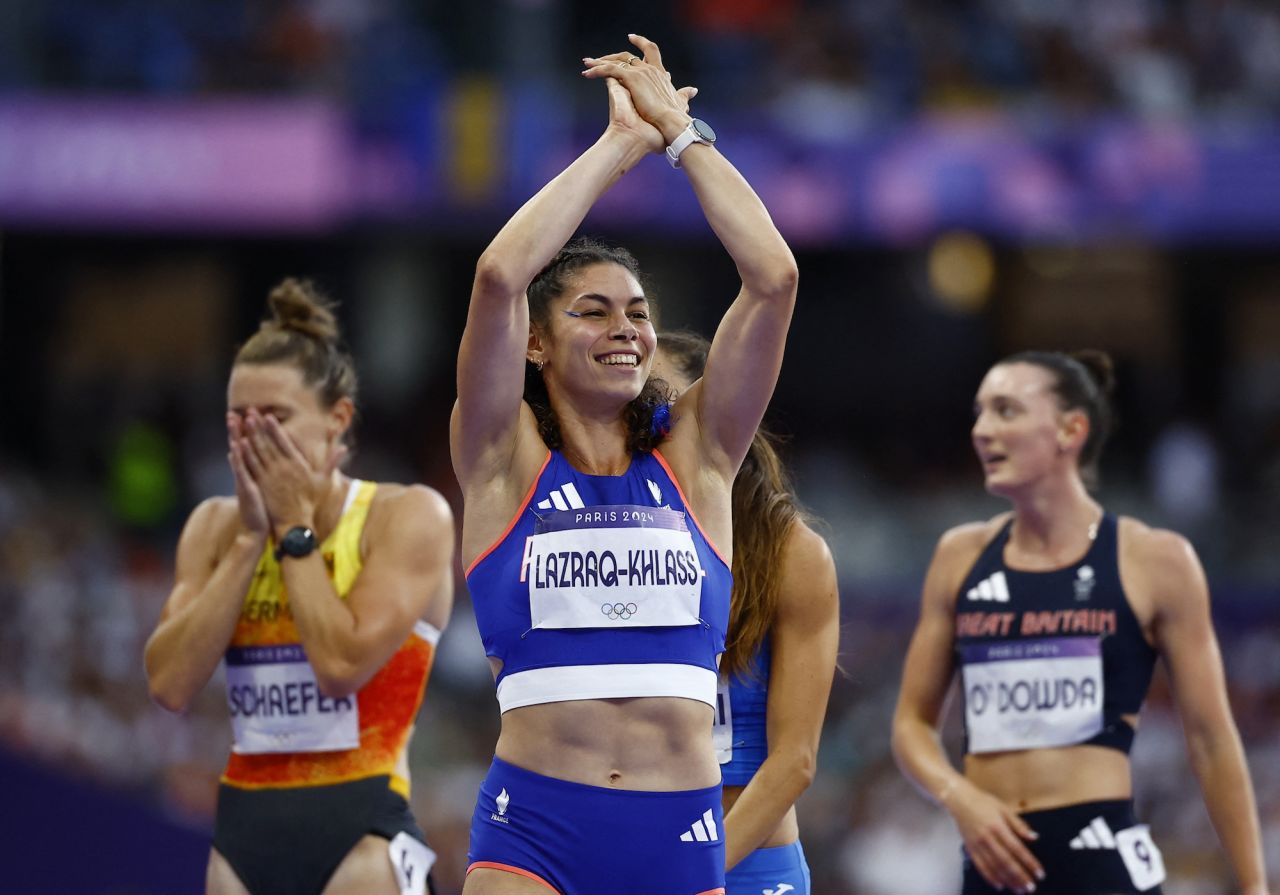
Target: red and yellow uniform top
[287,733]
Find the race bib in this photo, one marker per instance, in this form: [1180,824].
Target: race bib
[1141,857]
[1030,694]
[276,704]
[411,861]
[722,728]
[612,567]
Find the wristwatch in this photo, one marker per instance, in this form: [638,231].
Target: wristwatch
[698,131]
[297,542]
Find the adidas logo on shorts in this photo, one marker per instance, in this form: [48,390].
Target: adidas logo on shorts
[703,830]
[1097,835]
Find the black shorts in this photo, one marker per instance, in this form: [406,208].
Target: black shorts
[290,841]
[1094,848]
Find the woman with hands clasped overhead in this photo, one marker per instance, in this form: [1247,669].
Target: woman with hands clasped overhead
[325,596]
[595,540]
[1054,615]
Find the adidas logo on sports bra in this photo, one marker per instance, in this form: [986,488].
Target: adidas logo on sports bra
[566,497]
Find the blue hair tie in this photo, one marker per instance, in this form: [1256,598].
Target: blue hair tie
[661,424]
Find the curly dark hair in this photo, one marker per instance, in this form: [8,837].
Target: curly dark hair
[643,435]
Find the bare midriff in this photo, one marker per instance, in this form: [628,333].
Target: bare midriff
[1037,779]
[651,744]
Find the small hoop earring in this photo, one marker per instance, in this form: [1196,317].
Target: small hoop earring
[539,365]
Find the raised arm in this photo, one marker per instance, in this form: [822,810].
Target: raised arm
[217,554]
[746,353]
[491,358]
[992,830]
[211,577]
[804,638]
[1185,637]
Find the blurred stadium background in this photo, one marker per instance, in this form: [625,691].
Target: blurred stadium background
[959,180]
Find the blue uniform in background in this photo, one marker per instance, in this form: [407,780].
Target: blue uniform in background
[742,744]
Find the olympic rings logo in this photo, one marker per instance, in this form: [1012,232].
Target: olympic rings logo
[616,611]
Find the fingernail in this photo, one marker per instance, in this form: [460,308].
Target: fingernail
[1040,875]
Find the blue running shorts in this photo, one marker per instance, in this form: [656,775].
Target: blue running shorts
[770,871]
[577,839]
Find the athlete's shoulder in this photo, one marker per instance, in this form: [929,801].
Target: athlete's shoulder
[419,503]
[970,538]
[1156,554]
[214,517]
[810,584]
[806,546]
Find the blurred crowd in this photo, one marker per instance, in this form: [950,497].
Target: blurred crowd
[83,592]
[866,60]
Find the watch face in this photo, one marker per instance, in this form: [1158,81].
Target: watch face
[298,542]
[703,130]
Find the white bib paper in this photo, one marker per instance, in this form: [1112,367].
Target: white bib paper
[1141,857]
[411,861]
[276,704]
[1029,694]
[722,729]
[612,567]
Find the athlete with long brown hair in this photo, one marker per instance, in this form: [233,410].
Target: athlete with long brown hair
[779,657]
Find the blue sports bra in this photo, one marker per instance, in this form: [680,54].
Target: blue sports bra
[740,732]
[602,587]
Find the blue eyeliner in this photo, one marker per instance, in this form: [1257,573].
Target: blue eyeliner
[573,313]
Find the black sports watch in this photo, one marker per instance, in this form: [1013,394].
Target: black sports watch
[698,131]
[297,542]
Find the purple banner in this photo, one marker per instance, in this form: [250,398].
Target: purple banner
[611,516]
[265,655]
[297,164]
[243,164]
[1022,650]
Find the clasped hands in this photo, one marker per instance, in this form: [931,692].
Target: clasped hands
[643,102]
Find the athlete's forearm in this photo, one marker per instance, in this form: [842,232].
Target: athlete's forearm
[765,802]
[919,754]
[742,223]
[326,625]
[185,649]
[1218,760]
[546,222]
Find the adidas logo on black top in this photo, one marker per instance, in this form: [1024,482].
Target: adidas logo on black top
[995,588]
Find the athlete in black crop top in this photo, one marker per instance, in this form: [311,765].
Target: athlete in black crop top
[1053,615]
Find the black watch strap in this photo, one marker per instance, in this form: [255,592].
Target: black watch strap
[297,542]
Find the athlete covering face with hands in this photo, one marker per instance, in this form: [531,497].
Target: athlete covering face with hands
[325,596]
[595,541]
[1054,614]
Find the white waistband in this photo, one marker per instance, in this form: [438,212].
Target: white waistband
[568,682]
